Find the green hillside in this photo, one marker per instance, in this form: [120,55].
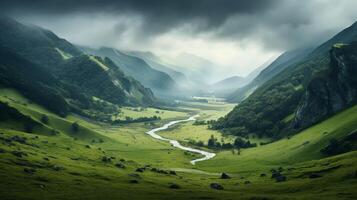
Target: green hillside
[160,82]
[264,111]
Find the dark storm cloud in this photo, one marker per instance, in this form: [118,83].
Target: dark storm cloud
[159,15]
[276,24]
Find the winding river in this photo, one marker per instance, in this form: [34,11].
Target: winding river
[175,143]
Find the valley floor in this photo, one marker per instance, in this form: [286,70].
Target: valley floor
[122,162]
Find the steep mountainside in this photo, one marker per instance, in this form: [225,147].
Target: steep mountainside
[102,78]
[283,61]
[34,43]
[41,56]
[330,91]
[161,83]
[33,81]
[270,110]
[227,86]
[157,64]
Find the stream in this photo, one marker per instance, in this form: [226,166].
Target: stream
[175,143]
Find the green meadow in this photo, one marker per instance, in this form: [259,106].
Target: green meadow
[102,161]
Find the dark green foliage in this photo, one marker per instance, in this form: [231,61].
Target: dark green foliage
[75,127]
[264,111]
[137,120]
[160,82]
[240,143]
[44,119]
[8,113]
[109,84]
[34,43]
[346,144]
[32,81]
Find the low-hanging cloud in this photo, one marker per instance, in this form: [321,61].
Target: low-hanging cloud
[261,28]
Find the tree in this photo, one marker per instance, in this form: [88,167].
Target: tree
[211,141]
[75,127]
[44,119]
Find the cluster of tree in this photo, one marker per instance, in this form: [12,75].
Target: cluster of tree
[128,120]
[213,143]
[9,113]
[335,147]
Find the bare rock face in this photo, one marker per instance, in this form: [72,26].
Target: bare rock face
[330,91]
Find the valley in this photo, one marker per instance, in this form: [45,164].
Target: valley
[82,163]
[134,108]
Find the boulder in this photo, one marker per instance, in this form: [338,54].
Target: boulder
[280,178]
[315,175]
[134,181]
[120,165]
[216,186]
[29,170]
[174,186]
[263,175]
[141,170]
[225,176]
[173,173]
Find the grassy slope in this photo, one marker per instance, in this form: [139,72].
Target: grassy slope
[85,176]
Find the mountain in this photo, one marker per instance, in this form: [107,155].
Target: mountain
[33,81]
[161,83]
[270,109]
[331,91]
[34,43]
[282,62]
[100,77]
[48,56]
[156,63]
[227,86]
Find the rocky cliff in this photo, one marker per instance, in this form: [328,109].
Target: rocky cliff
[331,91]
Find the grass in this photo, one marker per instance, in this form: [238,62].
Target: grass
[104,67]
[64,55]
[69,165]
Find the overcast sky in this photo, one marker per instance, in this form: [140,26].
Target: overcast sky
[238,35]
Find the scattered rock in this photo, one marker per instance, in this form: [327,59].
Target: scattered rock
[315,175]
[263,175]
[173,173]
[216,186]
[19,139]
[280,178]
[141,170]
[68,148]
[246,182]
[2,150]
[134,181]
[88,146]
[174,186]
[122,160]
[135,175]
[120,165]
[162,171]
[19,153]
[153,169]
[356,174]
[57,168]
[280,169]
[47,159]
[225,176]
[29,170]
[106,159]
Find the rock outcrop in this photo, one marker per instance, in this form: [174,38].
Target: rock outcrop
[331,91]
